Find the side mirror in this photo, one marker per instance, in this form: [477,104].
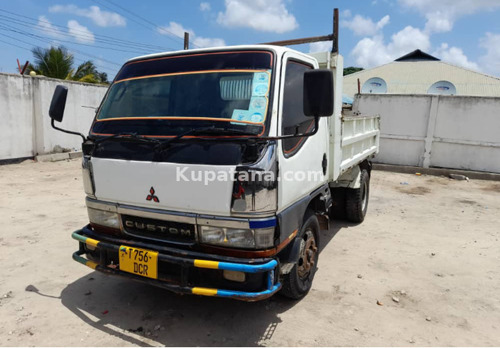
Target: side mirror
[56,110]
[318,92]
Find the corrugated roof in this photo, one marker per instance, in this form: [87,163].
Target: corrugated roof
[415,77]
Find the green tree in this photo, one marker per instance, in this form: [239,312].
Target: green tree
[53,62]
[57,62]
[351,70]
[87,72]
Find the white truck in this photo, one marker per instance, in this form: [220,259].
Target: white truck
[212,171]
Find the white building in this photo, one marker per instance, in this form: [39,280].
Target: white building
[421,73]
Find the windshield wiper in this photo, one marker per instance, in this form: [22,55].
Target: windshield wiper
[129,137]
[205,130]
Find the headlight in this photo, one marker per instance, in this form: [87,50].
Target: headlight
[104,218]
[237,237]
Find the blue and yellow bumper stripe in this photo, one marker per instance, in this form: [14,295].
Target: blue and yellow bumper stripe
[267,267]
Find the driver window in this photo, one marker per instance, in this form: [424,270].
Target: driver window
[293,119]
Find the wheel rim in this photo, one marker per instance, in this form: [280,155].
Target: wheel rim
[307,257]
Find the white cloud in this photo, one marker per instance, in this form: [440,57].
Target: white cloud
[374,51]
[491,60]
[370,52]
[202,42]
[364,26]
[346,13]
[442,14]
[81,33]
[407,40]
[205,6]
[174,29]
[98,16]
[323,46]
[177,30]
[261,15]
[46,27]
[455,56]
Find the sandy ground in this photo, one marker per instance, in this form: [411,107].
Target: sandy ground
[433,244]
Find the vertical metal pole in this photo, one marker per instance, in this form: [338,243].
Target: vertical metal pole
[359,87]
[25,67]
[186,40]
[335,45]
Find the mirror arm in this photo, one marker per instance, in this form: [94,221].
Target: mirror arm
[300,135]
[66,131]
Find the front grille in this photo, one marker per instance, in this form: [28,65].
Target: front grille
[159,229]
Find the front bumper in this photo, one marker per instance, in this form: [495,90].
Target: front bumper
[185,262]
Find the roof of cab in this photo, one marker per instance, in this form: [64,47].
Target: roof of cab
[279,50]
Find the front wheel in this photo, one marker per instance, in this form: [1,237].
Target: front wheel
[298,282]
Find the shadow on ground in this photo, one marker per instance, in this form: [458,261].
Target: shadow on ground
[146,315]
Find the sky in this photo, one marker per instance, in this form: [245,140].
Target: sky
[372,32]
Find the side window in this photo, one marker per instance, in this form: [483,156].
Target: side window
[294,121]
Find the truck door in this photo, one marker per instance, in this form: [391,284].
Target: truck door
[301,160]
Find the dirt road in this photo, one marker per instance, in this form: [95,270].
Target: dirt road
[428,251]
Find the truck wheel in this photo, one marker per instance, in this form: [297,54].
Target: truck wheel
[298,282]
[357,199]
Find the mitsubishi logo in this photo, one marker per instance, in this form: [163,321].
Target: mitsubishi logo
[152,195]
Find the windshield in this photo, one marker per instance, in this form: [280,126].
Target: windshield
[167,96]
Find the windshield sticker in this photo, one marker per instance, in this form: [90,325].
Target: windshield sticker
[260,77]
[260,84]
[257,109]
[258,102]
[256,117]
[240,115]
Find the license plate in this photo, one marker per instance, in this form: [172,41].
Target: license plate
[139,261]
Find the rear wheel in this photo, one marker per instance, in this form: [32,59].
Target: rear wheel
[298,282]
[357,199]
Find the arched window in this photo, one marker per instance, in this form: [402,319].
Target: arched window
[442,87]
[375,85]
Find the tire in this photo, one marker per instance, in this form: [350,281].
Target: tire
[357,199]
[298,282]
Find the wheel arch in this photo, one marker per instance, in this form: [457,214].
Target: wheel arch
[291,219]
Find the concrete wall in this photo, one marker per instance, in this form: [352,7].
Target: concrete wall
[24,107]
[437,131]
[418,130]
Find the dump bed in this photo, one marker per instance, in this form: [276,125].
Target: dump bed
[353,137]
[360,138]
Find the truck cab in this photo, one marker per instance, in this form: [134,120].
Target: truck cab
[210,171]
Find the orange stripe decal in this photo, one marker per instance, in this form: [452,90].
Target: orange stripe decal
[188,73]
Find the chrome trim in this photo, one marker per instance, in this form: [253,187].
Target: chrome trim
[106,206]
[88,177]
[261,189]
[254,215]
[157,214]
[169,216]
[233,223]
